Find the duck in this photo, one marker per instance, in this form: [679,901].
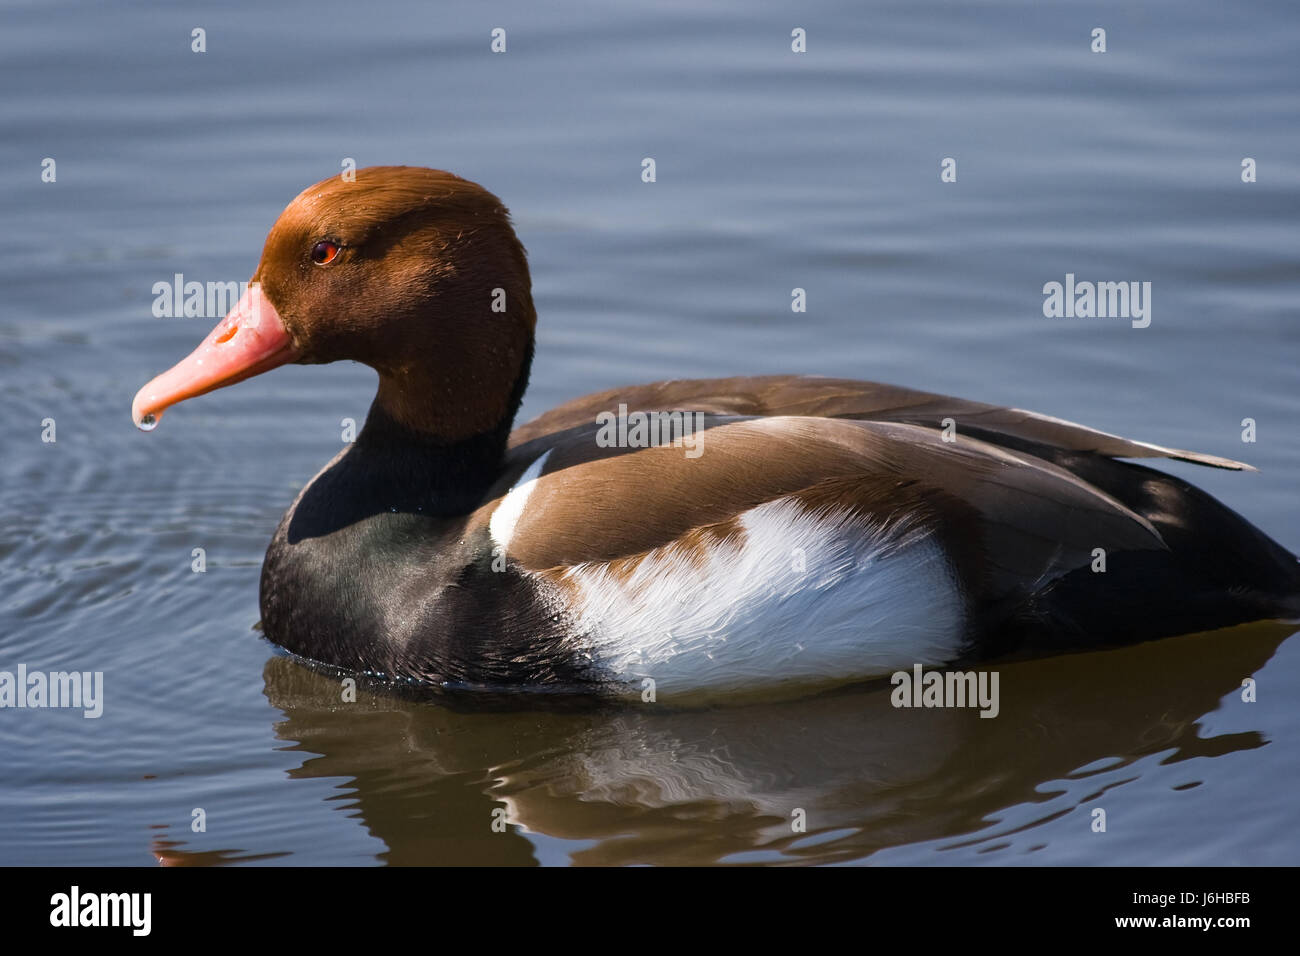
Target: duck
[696,537]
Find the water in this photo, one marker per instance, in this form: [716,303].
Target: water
[775,170]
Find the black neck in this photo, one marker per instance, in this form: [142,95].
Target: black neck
[393,468]
[402,469]
[411,471]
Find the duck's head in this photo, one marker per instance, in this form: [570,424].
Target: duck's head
[414,272]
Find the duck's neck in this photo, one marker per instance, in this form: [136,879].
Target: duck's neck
[409,471]
[438,471]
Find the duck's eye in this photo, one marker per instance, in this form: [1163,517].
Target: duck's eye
[324,252]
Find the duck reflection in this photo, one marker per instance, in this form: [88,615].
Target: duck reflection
[444,783]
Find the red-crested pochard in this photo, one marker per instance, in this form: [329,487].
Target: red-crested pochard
[775,529]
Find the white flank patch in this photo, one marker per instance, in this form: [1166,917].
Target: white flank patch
[506,517]
[800,597]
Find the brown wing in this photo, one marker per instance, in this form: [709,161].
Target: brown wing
[1013,518]
[848,398]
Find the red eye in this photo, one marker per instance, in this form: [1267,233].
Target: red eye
[324,252]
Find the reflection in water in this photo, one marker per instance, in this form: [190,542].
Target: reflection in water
[650,784]
[168,853]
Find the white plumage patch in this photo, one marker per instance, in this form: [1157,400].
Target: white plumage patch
[502,524]
[799,597]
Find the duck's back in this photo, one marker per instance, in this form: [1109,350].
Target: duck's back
[856,514]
